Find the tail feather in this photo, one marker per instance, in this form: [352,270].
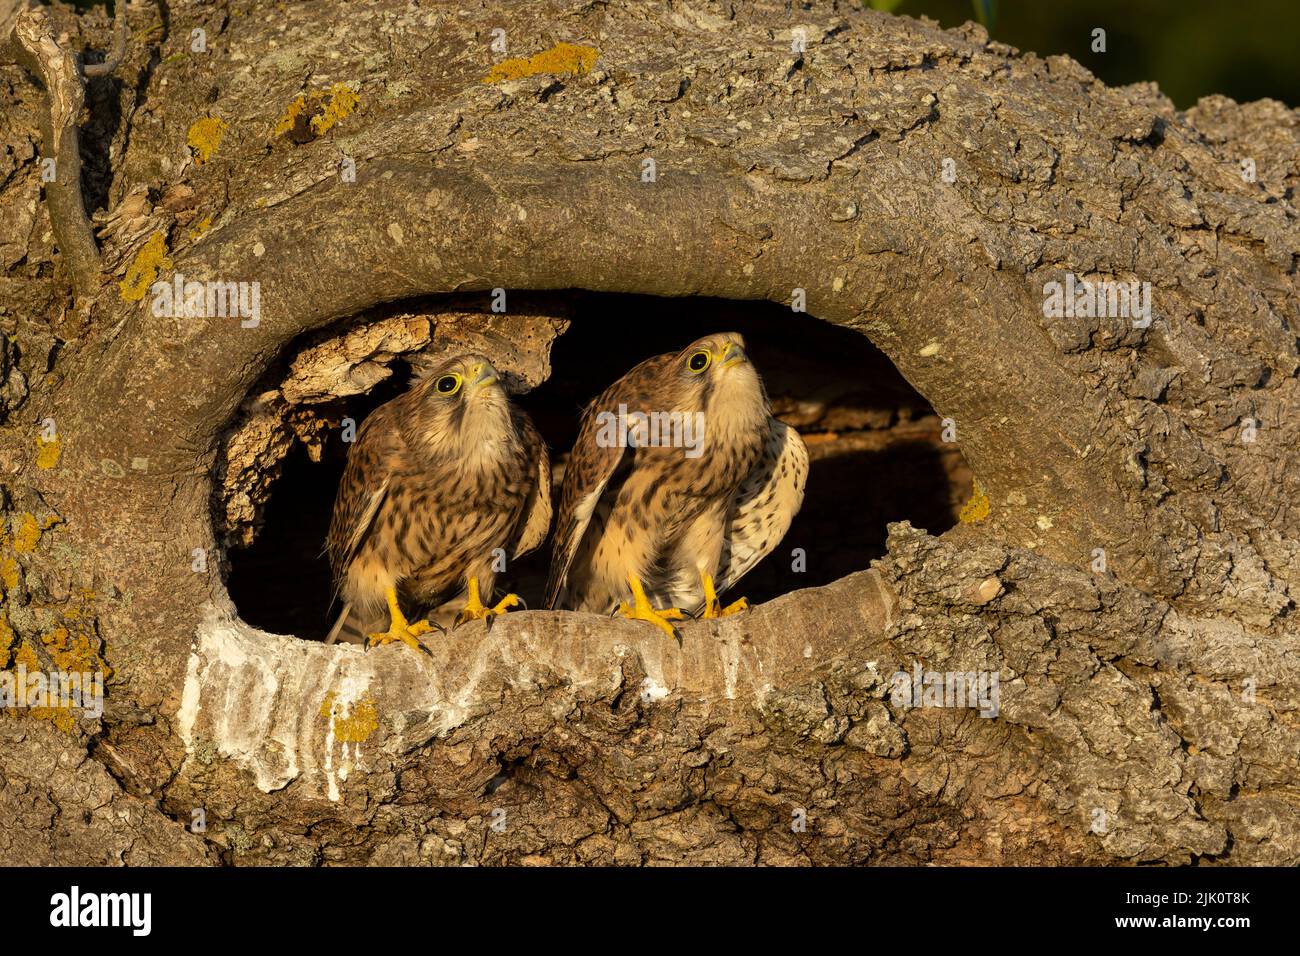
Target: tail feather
[350,627]
[554,589]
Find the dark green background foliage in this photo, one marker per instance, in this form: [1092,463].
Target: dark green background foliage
[1245,49]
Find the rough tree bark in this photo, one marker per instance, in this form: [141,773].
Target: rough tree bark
[1127,568]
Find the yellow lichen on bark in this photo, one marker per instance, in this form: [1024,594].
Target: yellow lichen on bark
[30,530]
[61,717]
[47,452]
[329,106]
[291,115]
[77,654]
[143,272]
[563,58]
[977,509]
[342,101]
[351,725]
[76,647]
[204,137]
[6,641]
[8,573]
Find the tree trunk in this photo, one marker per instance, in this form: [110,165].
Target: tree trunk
[379,168]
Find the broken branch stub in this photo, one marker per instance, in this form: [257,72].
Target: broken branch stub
[60,74]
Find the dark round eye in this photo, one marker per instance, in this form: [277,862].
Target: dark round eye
[448,384]
[699,361]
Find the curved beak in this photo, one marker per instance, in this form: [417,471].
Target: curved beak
[482,374]
[733,354]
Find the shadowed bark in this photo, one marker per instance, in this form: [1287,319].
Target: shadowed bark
[1125,569]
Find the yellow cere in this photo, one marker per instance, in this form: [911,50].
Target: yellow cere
[563,58]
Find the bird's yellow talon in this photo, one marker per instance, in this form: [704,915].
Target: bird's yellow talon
[641,610]
[476,610]
[659,619]
[712,606]
[399,629]
[407,634]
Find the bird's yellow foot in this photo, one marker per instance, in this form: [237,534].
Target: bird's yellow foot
[712,606]
[476,610]
[402,631]
[640,610]
[399,629]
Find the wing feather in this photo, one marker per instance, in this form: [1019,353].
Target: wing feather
[765,504]
[362,491]
[585,479]
[592,467]
[536,521]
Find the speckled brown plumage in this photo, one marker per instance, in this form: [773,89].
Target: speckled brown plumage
[434,484]
[662,515]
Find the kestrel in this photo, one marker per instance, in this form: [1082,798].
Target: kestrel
[442,482]
[679,483]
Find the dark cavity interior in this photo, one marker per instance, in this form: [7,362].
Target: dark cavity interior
[875,444]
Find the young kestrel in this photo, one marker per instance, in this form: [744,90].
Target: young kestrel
[442,482]
[680,482]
